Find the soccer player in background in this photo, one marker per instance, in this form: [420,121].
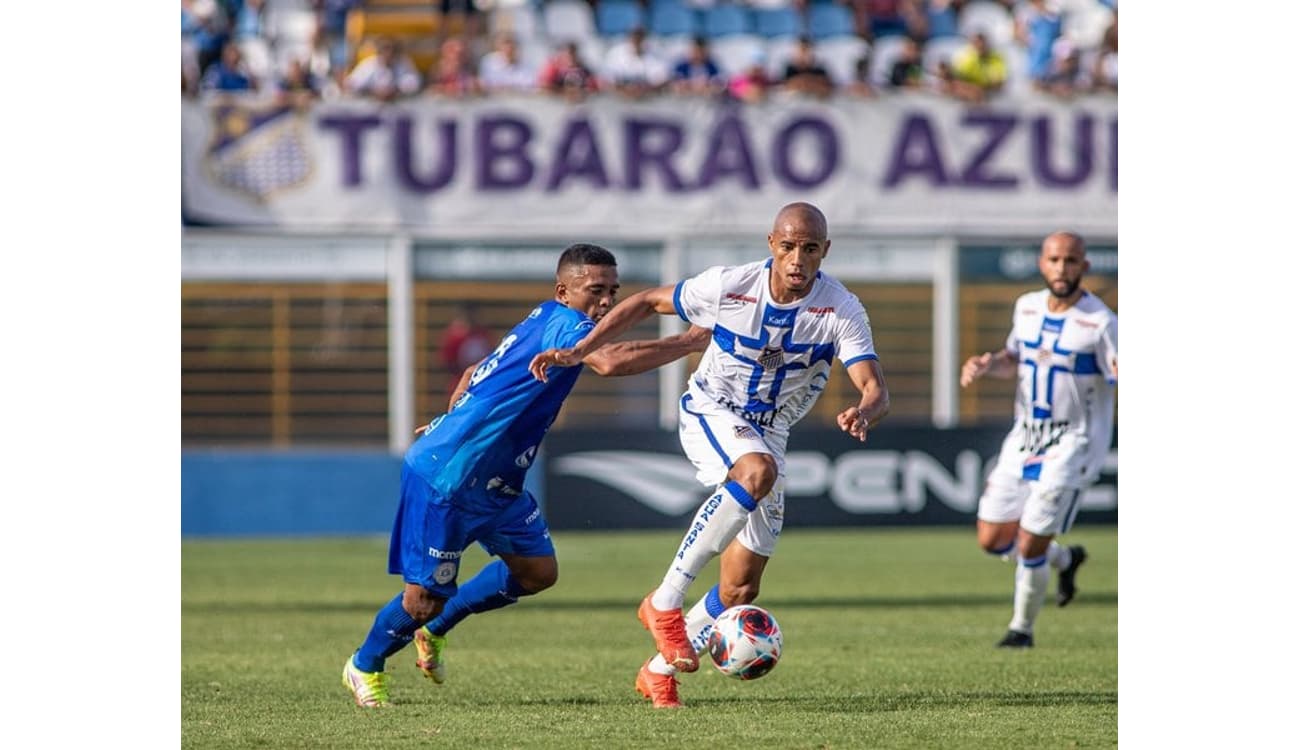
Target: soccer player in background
[463,480]
[776,325]
[1064,348]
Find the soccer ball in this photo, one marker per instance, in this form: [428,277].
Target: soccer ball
[745,642]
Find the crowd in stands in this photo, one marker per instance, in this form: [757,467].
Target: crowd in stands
[973,50]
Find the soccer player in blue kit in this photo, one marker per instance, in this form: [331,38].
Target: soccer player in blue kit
[463,479]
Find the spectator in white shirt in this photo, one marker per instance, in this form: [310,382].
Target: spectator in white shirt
[385,75]
[632,70]
[502,70]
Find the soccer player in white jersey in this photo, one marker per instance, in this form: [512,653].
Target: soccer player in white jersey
[1064,348]
[776,326]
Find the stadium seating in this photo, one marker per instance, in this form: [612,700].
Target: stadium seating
[990,17]
[773,23]
[735,52]
[940,50]
[521,21]
[1084,22]
[840,56]
[568,21]
[884,53]
[727,18]
[670,18]
[778,51]
[670,49]
[830,20]
[618,17]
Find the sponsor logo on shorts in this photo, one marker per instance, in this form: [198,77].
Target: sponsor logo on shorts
[444,572]
[745,432]
[436,553]
[537,512]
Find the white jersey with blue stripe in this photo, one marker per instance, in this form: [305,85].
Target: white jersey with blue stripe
[489,439]
[769,362]
[1067,375]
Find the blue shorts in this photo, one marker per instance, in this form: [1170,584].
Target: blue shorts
[429,533]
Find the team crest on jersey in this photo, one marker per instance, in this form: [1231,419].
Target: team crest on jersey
[771,358]
[257,150]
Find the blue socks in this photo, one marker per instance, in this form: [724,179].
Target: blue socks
[393,629]
[493,588]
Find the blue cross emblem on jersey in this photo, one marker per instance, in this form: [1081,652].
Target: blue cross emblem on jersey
[1047,358]
[771,354]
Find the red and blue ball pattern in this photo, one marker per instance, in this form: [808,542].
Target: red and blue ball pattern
[745,642]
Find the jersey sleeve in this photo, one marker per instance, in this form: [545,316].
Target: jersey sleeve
[1108,349]
[1012,344]
[696,298]
[565,331]
[854,342]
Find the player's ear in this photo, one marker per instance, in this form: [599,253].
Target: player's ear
[826,249]
[561,292]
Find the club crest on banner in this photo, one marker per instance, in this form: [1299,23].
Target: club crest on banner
[257,150]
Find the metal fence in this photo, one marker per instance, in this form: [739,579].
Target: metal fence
[334,341]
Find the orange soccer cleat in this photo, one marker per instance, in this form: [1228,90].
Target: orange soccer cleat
[669,631]
[660,688]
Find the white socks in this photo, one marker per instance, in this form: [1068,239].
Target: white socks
[1032,577]
[716,523]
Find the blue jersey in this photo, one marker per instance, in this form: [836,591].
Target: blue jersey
[486,442]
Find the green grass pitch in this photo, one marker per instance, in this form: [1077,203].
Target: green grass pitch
[889,639]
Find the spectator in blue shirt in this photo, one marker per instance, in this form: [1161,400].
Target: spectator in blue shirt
[228,73]
[697,73]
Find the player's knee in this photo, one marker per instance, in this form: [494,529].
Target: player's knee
[421,604]
[540,580]
[538,575]
[732,595]
[756,473]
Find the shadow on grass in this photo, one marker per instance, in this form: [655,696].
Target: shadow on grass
[881,703]
[1106,598]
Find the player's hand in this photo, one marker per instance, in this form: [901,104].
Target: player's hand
[552,358]
[975,367]
[854,422]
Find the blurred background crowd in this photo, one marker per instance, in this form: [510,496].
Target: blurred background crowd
[973,50]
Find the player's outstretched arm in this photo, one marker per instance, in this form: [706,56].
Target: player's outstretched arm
[635,357]
[870,380]
[999,364]
[623,316]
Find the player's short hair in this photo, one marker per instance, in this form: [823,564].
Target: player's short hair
[583,254]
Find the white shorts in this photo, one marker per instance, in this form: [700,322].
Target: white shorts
[713,437]
[1047,501]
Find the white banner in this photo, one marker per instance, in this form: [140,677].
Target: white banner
[521,167]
